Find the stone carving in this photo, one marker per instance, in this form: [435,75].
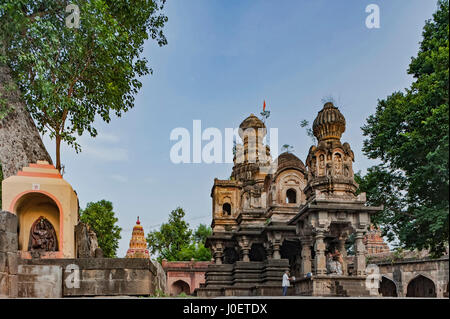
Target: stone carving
[346,171]
[334,263]
[321,165]
[337,164]
[313,167]
[87,243]
[42,236]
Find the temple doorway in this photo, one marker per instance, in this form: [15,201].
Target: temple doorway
[421,286]
[230,256]
[291,249]
[257,253]
[387,288]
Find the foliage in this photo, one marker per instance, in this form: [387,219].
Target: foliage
[409,134]
[201,233]
[305,124]
[350,245]
[195,251]
[70,76]
[175,241]
[100,217]
[159,293]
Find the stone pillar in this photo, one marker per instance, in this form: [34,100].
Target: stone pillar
[218,258]
[218,254]
[306,258]
[245,253]
[245,249]
[360,254]
[343,251]
[276,251]
[319,248]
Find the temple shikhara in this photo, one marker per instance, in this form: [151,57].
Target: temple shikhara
[138,245]
[274,215]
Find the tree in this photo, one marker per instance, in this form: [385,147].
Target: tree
[201,233]
[197,249]
[175,241]
[71,75]
[409,134]
[171,238]
[20,142]
[100,217]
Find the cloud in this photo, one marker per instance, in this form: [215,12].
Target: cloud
[107,138]
[106,154]
[119,178]
[101,148]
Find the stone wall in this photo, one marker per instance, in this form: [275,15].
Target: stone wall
[244,279]
[86,277]
[8,255]
[403,272]
[184,274]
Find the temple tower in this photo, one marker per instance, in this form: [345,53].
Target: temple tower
[373,240]
[330,163]
[138,244]
[333,210]
[252,154]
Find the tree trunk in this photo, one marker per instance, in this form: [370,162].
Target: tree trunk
[58,152]
[20,142]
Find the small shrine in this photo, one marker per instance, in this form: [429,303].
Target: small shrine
[138,244]
[47,210]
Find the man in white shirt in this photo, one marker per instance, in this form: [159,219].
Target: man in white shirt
[286,282]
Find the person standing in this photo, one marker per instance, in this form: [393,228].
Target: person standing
[286,282]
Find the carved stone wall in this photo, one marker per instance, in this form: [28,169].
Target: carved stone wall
[8,255]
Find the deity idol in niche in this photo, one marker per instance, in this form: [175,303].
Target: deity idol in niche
[337,164]
[321,165]
[42,236]
[334,263]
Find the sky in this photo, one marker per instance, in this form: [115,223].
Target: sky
[223,59]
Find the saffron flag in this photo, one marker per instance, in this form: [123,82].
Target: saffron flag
[264,106]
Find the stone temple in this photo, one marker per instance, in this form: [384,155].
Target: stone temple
[277,215]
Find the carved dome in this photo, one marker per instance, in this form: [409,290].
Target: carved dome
[287,159]
[329,123]
[252,122]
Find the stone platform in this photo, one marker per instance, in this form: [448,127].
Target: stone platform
[334,286]
[244,279]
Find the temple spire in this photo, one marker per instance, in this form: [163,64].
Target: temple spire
[138,244]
